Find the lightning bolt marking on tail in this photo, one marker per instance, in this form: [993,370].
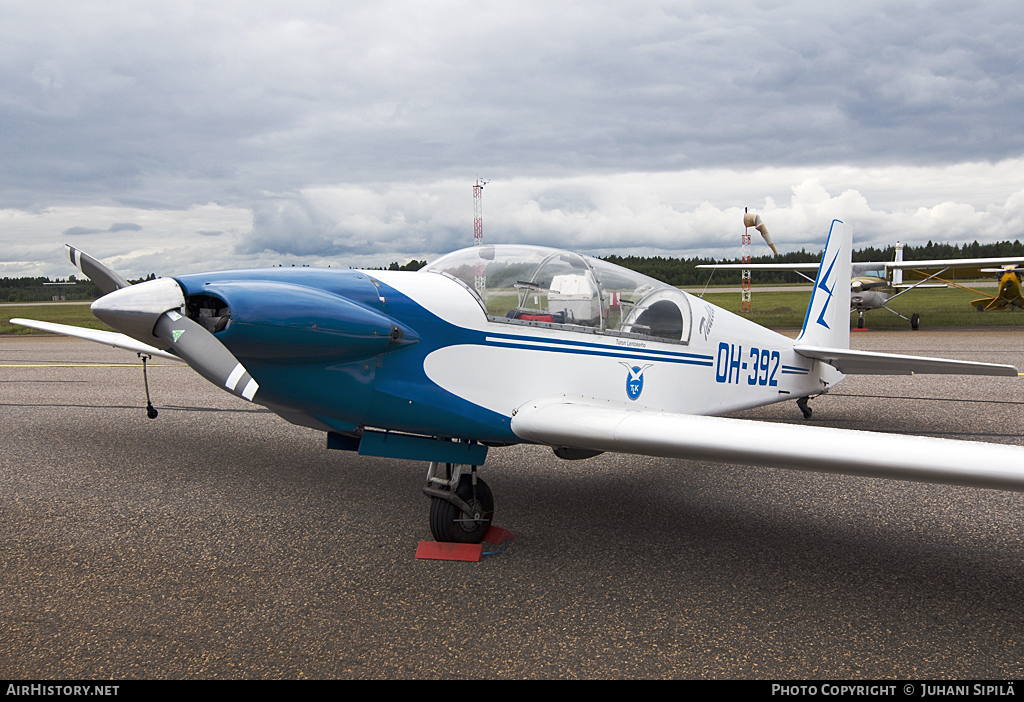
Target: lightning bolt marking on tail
[821,286]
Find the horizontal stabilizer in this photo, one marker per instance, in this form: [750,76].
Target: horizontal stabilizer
[560,421]
[872,363]
[101,337]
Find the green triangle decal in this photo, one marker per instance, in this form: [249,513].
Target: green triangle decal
[177,333]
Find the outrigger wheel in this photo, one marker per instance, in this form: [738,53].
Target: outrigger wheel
[915,320]
[463,516]
[802,404]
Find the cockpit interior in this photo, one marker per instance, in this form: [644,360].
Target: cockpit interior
[540,286]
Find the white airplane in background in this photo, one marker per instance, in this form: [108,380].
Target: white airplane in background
[875,284]
[557,349]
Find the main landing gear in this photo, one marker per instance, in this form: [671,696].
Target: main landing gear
[461,505]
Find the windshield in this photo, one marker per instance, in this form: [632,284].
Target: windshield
[551,287]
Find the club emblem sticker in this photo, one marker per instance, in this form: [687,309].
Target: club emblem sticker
[634,379]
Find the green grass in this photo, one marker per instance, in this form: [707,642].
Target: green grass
[75,315]
[938,307]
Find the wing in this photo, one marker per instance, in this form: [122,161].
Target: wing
[101,337]
[956,267]
[762,266]
[579,424]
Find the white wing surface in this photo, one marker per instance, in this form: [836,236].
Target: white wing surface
[588,424]
[101,337]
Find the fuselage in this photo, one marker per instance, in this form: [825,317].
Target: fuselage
[454,350]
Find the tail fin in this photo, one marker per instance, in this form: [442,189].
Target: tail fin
[827,322]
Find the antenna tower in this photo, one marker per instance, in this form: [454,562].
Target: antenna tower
[480,282]
[478,212]
[745,274]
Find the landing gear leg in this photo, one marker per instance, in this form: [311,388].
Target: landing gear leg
[461,504]
[802,404]
[150,409]
[914,319]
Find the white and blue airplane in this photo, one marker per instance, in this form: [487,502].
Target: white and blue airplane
[498,345]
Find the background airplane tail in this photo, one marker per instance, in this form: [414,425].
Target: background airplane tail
[827,322]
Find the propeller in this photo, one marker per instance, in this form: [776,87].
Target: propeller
[859,286]
[205,354]
[150,312]
[107,280]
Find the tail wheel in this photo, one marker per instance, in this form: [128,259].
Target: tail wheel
[915,320]
[449,523]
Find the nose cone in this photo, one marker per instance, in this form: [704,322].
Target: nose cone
[135,310]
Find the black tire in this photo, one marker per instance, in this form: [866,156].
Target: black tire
[981,307]
[860,322]
[443,514]
[915,320]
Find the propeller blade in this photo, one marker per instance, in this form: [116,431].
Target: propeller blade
[205,354]
[107,280]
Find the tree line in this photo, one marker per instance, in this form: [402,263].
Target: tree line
[674,271]
[683,272]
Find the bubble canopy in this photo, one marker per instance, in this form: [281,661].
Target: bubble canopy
[545,287]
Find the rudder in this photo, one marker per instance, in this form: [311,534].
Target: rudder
[827,321]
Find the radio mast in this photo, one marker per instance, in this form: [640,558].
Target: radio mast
[478,212]
[745,274]
[480,282]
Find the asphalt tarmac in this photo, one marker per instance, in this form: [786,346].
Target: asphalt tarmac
[219,541]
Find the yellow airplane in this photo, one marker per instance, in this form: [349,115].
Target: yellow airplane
[1009,289]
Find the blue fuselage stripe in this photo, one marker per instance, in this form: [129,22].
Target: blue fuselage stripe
[570,345]
[598,350]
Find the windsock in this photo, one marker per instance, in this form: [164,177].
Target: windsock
[753,220]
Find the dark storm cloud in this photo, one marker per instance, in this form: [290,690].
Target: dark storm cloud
[279,99]
[113,228]
[80,231]
[168,107]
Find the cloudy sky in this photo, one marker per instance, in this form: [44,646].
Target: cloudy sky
[172,137]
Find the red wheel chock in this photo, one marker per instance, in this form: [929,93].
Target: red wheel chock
[447,551]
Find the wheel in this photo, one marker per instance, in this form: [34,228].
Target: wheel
[915,320]
[860,322]
[446,519]
[981,307]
